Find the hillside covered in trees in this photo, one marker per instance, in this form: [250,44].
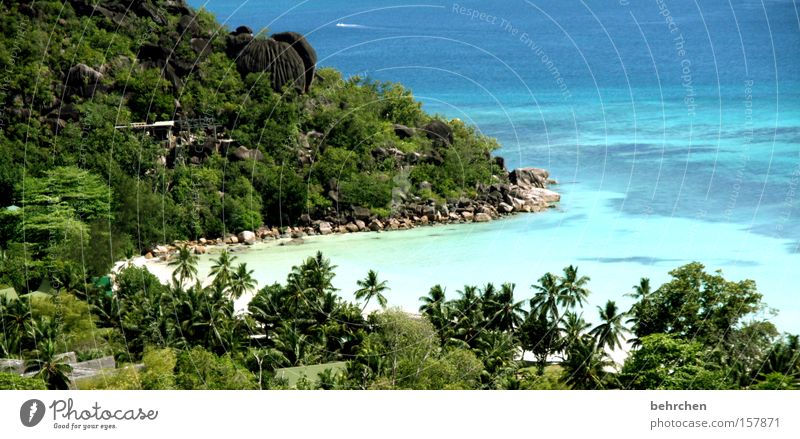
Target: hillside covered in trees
[127,124]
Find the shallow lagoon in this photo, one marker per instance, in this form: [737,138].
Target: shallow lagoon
[613,249]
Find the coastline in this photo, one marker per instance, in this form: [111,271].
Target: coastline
[157,263]
[163,272]
[526,192]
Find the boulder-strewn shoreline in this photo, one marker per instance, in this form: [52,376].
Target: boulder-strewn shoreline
[527,190]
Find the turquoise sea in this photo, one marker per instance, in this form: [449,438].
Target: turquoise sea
[673,128]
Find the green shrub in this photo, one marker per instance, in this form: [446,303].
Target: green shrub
[12,381]
[159,369]
[198,369]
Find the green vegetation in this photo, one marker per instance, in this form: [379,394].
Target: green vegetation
[90,193]
[11,381]
[302,334]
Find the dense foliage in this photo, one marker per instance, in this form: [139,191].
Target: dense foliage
[91,194]
[187,336]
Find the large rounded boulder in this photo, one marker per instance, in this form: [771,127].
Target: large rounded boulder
[439,133]
[267,55]
[304,49]
[83,80]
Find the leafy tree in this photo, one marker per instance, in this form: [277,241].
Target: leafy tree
[453,369]
[541,336]
[84,193]
[159,367]
[198,369]
[399,348]
[669,363]
[776,381]
[697,305]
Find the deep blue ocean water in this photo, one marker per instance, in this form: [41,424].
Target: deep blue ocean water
[673,127]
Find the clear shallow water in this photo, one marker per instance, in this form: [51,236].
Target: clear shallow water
[664,156]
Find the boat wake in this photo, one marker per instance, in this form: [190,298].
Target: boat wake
[352,26]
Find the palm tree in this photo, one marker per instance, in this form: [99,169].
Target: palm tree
[241,281]
[609,332]
[434,303]
[328,379]
[641,294]
[269,357]
[185,264]
[573,327]
[371,287]
[49,366]
[468,317]
[14,316]
[435,308]
[784,358]
[585,364]
[292,344]
[547,297]
[222,268]
[312,279]
[641,291]
[497,351]
[489,300]
[509,315]
[574,291]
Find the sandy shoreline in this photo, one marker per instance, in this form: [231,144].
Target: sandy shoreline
[163,271]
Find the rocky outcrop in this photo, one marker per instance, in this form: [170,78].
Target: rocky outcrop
[324,228]
[119,11]
[529,177]
[247,237]
[284,65]
[482,217]
[439,133]
[306,52]
[289,59]
[491,202]
[403,131]
[243,153]
[83,80]
[12,365]
[243,30]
